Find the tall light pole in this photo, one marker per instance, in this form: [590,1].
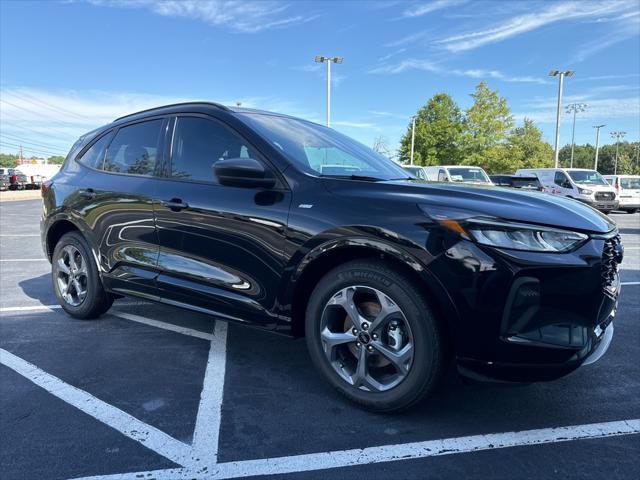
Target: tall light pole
[329,60]
[617,135]
[574,108]
[597,127]
[413,135]
[556,73]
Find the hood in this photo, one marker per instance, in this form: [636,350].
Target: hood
[509,204]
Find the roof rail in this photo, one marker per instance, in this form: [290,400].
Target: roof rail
[218,105]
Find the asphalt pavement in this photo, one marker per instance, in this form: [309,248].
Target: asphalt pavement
[149,391]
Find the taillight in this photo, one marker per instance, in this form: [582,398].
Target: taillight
[45,186]
[14,179]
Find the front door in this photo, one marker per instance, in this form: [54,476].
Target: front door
[221,247]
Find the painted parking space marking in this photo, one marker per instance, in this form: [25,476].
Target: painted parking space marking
[9,260]
[164,325]
[630,283]
[391,453]
[29,309]
[131,427]
[18,234]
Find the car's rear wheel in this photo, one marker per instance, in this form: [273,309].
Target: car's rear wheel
[75,278]
[372,335]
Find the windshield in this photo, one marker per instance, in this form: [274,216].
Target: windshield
[468,174]
[588,177]
[630,183]
[321,151]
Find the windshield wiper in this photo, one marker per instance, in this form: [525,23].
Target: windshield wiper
[365,178]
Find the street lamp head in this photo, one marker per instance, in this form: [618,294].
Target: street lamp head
[599,126]
[554,73]
[337,59]
[320,58]
[569,73]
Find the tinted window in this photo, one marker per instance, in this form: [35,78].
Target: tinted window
[588,177]
[135,149]
[320,150]
[198,143]
[94,156]
[560,179]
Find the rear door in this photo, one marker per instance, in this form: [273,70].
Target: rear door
[221,247]
[116,198]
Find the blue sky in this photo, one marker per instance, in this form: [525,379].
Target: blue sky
[69,66]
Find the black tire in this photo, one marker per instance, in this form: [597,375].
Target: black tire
[97,301]
[429,359]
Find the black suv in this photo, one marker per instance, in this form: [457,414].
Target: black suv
[264,219]
[513,181]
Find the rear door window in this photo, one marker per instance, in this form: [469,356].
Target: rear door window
[135,149]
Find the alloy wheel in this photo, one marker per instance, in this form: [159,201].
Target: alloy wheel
[71,275]
[367,338]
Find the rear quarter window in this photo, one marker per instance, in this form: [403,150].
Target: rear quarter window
[135,148]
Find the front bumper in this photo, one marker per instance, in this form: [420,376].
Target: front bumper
[527,316]
[602,205]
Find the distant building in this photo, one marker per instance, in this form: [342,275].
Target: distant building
[30,161]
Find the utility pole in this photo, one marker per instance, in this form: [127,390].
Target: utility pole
[413,135]
[597,127]
[555,73]
[20,156]
[574,108]
[329,60]
[617,135]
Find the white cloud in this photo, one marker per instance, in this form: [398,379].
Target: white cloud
[554,12]
[623,27]
[407,64]
[344,123]
[429,66]
[239,16]
[424,8]
[50,121]
[543,110]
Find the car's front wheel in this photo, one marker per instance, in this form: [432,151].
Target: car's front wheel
[75,279]
[373,336]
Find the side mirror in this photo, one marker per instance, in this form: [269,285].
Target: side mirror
[243,172]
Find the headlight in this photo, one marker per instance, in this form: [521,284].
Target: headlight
[497,233]
[585,191]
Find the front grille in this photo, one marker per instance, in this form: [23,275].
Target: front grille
[610,259]
[605,196]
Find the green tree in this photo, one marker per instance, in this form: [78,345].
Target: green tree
[437,135]
[8,160]
[487,122]
[527,148]
[56,159]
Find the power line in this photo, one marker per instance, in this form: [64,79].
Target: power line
[40,114]
[5,124]
[35,101]
[22,140]
[38,151]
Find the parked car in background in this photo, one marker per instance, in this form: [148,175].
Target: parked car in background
[513,181]
[227,211]
[628,189]
[582,184]
[4,182]
[34,182]
[17,179]
[457,173]
[416,171]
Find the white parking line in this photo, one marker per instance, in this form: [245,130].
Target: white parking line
[24,260]
[630,283]
[207,429]
[32,308]
[164,325]
[148,436]
[19,235]
[391,453]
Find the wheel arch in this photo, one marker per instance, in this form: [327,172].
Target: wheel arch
[325,258]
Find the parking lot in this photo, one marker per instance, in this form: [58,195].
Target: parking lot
[149,391]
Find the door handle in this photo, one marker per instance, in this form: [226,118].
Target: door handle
[174,204]
[88,193]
